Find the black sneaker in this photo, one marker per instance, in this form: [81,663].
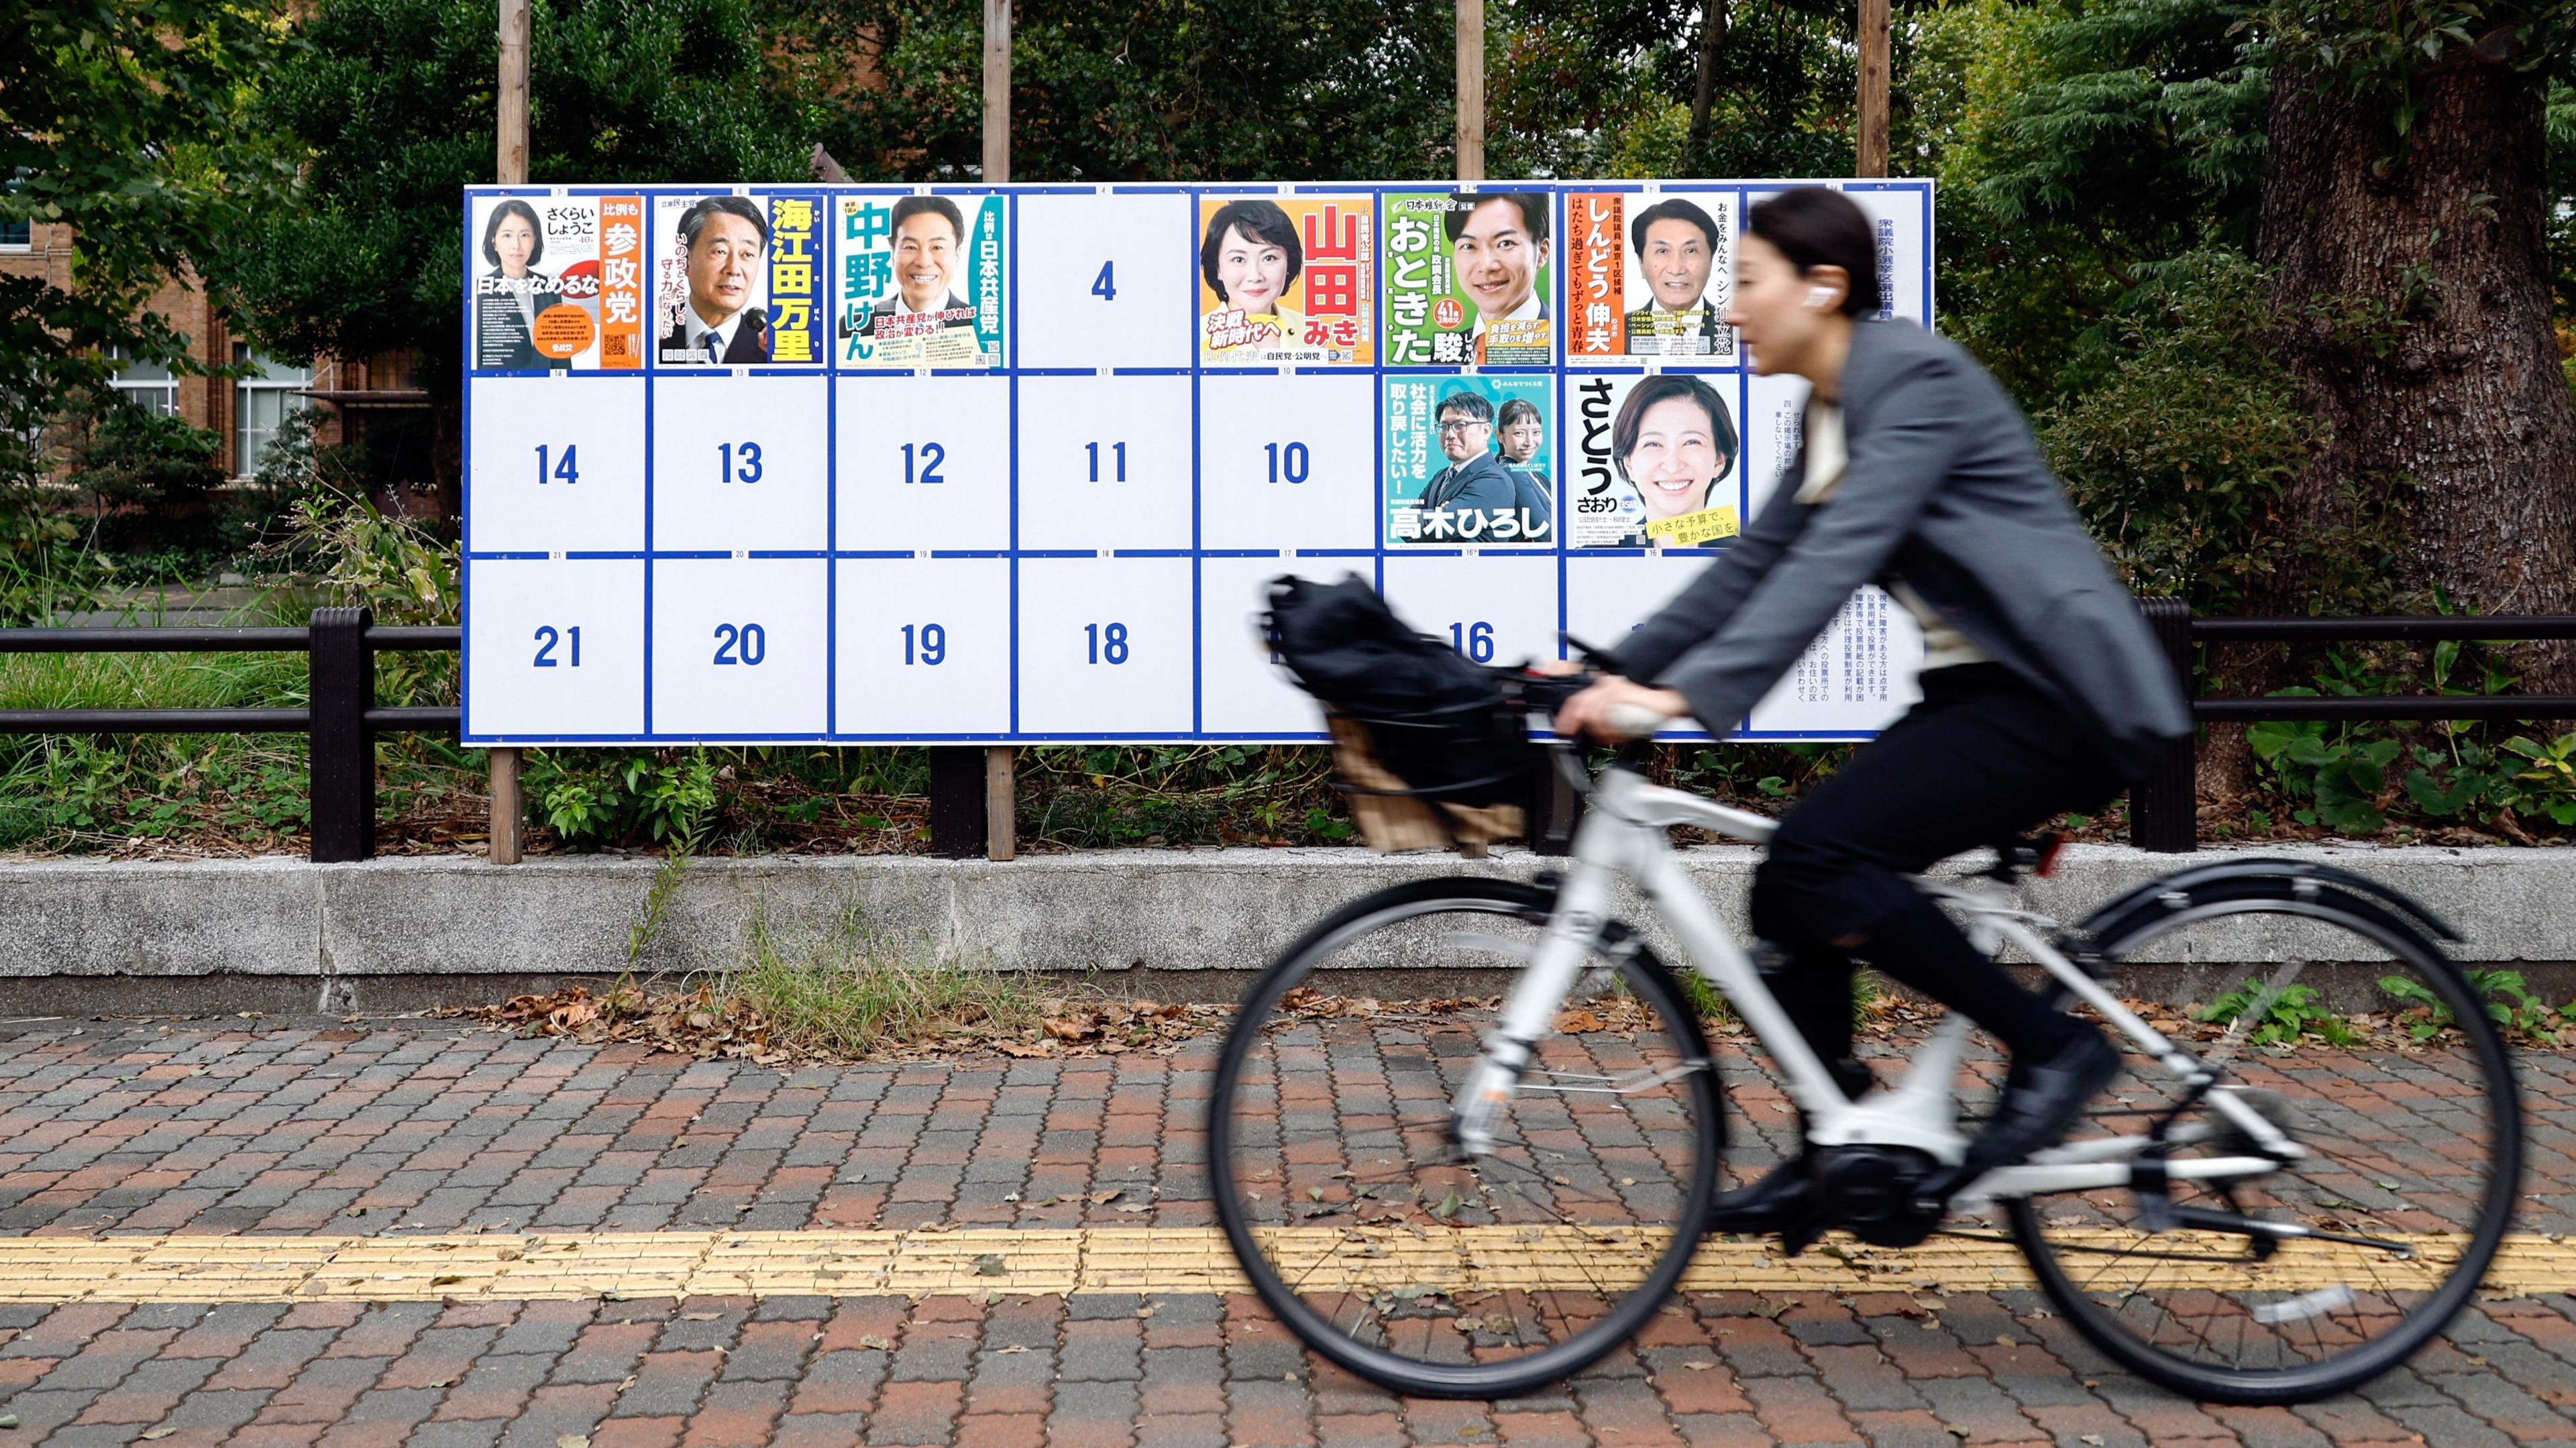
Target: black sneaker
[1786,1194]
[2042,1100]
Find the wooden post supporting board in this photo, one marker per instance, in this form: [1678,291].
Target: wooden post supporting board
[510,168]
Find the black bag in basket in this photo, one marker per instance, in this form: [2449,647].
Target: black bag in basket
[1441,724]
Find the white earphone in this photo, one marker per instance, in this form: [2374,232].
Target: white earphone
[1819,298]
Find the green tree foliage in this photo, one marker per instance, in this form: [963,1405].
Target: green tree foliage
[391,103]
[2077,149]
[124,117]
[1108,90]
[2189,433]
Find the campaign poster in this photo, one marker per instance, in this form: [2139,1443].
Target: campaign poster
[734,280]
[1469,276]
[1654,460]
[921,280]
[1470,459]
[1287,281]
[542,299]
[1649,275]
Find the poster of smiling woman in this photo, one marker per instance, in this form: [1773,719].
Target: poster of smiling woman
[921,280]
[1655,460]
[1290,281]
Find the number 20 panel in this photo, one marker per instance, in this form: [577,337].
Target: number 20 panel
[1072,546]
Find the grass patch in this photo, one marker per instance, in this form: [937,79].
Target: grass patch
[851,995]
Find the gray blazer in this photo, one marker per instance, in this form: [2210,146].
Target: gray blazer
[1945,488]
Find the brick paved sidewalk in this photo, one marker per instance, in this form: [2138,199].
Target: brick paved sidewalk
[410,1132]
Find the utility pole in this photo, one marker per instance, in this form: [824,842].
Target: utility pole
[1871,145]
[1471,90]
[510,168]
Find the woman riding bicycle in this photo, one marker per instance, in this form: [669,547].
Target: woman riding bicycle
[2043,691]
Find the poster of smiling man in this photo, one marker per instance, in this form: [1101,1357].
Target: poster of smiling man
[921,280]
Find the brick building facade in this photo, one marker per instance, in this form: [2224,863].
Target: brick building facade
[241,412]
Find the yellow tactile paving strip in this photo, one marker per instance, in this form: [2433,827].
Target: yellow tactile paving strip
[514,1267]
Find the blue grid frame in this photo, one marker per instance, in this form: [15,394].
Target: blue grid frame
[835,552]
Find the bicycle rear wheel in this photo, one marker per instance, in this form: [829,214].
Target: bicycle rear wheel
[2367,1047]
[1359,1222]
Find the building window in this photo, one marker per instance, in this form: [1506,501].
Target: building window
[147,385]
[261,401]
[16,233]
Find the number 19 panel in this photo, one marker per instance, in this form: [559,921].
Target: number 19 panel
[889,465]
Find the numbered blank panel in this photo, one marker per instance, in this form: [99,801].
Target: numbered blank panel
[1105,281]
[1105,646]
[738,647]
[739,462]
[1287,462]
[1240,690]
[1607,597]
[1104,462]
[558,464]
[924,646]
[924,462]
[1496,609]
[554,650]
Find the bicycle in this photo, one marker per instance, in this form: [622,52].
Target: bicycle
[1462,1217]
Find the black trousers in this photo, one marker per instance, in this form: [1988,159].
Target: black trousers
[1982,758]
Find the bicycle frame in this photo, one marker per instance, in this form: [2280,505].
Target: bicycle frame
[1623,836]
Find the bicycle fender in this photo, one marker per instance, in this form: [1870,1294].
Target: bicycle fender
[2116,924]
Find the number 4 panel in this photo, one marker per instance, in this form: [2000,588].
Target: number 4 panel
[738,648]
[1105,646]
[1102,282]
[924,647]
[554,650]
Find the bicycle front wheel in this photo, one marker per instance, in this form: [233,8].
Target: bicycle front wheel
[2365,1045]
[1358,1220]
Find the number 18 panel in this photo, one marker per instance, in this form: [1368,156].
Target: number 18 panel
[882,465]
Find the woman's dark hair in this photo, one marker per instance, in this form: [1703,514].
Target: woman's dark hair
[1814,227]
[492,228]
[1516,409]
[1661,387]
[1261,221]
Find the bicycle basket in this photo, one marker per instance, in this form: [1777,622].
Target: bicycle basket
[1411,720]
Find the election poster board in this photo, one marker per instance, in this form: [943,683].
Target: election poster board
[1016,464]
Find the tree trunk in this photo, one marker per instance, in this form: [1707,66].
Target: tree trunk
[1712,39]
[2415,299]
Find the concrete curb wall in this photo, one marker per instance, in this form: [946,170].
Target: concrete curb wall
[353,929]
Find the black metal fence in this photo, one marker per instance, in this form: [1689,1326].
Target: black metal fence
[343,718]
[2163,807]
